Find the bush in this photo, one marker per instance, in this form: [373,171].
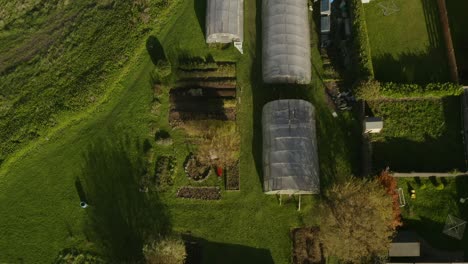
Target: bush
[360,45]
[201,193]
[165,251]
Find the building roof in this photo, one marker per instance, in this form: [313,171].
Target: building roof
[224,21]
[404,249]
[373,123]
[286,42]
[290,160]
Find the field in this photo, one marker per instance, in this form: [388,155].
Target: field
[458,29]
[419,135]
[427,213]
[102,148]
[407,44]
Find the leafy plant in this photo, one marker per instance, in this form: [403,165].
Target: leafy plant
[169,250]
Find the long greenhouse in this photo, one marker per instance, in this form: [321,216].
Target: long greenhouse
[224,21]
[286,42]
[290,159]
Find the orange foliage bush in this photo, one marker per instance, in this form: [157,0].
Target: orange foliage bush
[390,184]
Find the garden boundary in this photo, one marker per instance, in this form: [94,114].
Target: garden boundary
[448,41]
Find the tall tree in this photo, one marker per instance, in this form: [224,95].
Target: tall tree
[357,220]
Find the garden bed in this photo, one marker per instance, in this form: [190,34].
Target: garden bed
[306,246]
[195,170]
[232,177]
[164,171]
[200,193]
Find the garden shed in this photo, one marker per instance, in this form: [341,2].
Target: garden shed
[286,42]
[224,21]
[290,161]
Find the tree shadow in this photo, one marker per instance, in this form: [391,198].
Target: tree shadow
[200,11]
[412,67]
[120,218]
[203,251]
[155,50]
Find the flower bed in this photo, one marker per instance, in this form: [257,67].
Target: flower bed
[195,170]
[201,193]
[164,173]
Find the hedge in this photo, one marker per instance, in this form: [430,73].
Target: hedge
[360,43]
[374,90]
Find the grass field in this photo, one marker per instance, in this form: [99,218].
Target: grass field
[419,135]
[407,46]
[102,148]
[428,212]
[458,29]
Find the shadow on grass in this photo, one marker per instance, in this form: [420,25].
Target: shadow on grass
[412,68]
[203,251]
[155,50]
[442,154]
[200,10]
[120,217]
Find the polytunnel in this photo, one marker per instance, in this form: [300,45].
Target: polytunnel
[286,42]
[290,159]
[224,21]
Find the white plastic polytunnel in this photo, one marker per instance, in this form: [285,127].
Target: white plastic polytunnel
[224,21]
[286,42]
[290,161]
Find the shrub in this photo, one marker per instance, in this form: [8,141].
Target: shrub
[75,256]
[165,251]
[360,42]
[390,184]
[165,166]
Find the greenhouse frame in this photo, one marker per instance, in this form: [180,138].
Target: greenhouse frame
[290,158]
[286,42]
[224,21]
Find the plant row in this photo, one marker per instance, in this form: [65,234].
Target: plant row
[200,193]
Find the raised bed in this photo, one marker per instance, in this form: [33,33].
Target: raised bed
[232,177]
[224,115]
[195,170]
[200,193]
[306,246]
[164,171]
[188,92]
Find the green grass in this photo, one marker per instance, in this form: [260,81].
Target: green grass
[428,212]
[419,135]
[102,146]
[458,29]
[407,46]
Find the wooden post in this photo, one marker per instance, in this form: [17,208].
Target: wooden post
[280,199]
[299,208]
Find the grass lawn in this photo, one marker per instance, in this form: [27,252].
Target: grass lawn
[39,197]
[459,30]
[428,212]
[419,135]
[407,46]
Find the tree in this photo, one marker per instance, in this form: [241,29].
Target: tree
[169,250]
[390,184]
[356,220]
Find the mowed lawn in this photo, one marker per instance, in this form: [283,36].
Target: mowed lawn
[39,193]
[428,212]
[406,45]
[419,135]
[459,30]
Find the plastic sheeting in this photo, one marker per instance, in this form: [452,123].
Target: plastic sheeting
[224,21]
[286,42]
[290,161]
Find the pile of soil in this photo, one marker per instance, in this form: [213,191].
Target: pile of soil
[306,246]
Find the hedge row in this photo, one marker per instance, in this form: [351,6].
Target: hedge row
[361,48]
[374,90]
